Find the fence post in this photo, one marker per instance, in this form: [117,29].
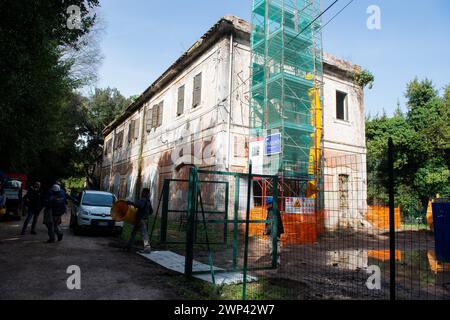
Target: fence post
[392,261]
[247,230]
[165,211]
[236,222]
[275,234]
[192,205]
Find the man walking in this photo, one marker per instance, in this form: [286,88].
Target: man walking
[145,209]
[56,205]
[33,201]
[271,216]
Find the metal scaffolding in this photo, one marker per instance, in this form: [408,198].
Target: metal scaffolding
[286,77]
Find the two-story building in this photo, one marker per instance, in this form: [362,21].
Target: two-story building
[197,112]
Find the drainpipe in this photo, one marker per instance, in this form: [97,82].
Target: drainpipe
[112,156]
[230,105]
[143,128]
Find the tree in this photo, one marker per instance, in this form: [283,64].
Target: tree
[422,150]
[38,136]
[97,112]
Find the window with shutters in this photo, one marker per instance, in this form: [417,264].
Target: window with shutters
[155,116]
[131,129]
[160,113]
[197,95]
[108,146]
[180,104]
[118,141]
[149,120]
[137,127]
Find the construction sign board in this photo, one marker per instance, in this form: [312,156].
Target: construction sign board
[299,205]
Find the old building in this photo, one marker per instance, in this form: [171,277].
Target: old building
[183,118]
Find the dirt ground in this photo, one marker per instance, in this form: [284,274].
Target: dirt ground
[336,268]
[31,269]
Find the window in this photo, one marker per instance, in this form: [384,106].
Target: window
[341,106]
[180,104]
[343,191]
[118,141]
[160,113]
[108,146]
[149,122]
[131,130]
[137,127]
[239,146]
[155,112]
[197,94]
[98,200]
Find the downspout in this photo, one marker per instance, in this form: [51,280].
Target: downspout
[230,105]
[112,157]
[141,152]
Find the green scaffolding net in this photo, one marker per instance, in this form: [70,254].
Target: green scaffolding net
[286,70]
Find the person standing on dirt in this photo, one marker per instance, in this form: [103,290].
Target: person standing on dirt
[145,209]
[55,208]
[33,201]
[273,214]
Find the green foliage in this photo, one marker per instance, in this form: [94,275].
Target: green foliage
[364,78]
[96,112]
[38,121]
[422,148]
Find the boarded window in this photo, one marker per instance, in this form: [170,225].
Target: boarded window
[180,104]
[341,106]
[343,191]
[239,146]
[149,120]
[197,95]
[160,113]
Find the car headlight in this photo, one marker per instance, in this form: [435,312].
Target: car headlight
[84,213]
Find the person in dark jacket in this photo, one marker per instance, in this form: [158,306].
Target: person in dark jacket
[33,201]
[272,215]
[55,208]
[145,209]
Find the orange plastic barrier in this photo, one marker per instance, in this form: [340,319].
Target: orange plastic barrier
[378,216]
[430,216]
[257,229]
[298,228]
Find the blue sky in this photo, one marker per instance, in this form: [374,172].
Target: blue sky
[144,37]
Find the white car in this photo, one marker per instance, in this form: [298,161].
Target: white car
[92,210]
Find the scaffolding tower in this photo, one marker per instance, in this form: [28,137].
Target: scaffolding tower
[286,95]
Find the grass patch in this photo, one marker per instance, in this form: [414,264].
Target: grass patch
[265,289]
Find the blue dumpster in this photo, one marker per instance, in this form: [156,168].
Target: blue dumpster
[441,222]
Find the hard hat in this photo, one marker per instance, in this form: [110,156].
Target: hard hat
[56,188]
[269,200]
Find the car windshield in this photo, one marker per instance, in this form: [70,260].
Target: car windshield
[98,200]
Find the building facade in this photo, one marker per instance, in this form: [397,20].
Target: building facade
[197,112]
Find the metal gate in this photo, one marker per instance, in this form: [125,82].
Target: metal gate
[211,218]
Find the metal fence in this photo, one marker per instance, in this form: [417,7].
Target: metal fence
[349,240]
